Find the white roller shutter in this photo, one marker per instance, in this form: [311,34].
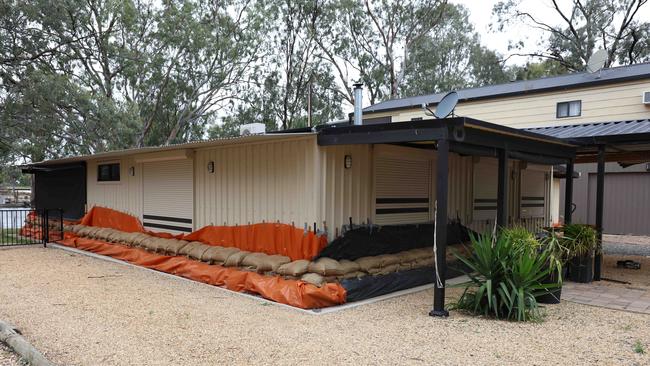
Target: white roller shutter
[485,189]
[402,190]
[533,193]
[168,195]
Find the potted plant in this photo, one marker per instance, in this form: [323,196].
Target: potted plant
[557,256]
[581,242]
[524,240]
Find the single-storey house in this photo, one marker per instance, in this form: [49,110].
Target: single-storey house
[483,173]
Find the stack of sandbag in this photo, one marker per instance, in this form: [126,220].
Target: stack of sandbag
[317,272]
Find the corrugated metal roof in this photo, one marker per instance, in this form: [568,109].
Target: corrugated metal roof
[568,81]
[186,145]
[595,129]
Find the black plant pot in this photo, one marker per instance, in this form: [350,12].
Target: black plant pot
[553,295]
[581,268]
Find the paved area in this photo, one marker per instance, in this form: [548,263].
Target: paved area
[618,298]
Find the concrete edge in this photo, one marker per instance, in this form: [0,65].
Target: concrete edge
[323,311]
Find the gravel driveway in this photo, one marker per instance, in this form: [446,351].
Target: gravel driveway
[84,311]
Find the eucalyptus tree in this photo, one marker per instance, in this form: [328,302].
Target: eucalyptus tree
[581,28]
[370,41]
[451,58]
[87,76]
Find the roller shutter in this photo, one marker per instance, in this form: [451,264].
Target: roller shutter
[168,196]
[402,190]
[485,189]
[533,194]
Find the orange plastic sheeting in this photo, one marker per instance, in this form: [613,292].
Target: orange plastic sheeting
[291,292]
[269,238]
[106,217]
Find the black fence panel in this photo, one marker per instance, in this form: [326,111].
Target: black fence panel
[26,226]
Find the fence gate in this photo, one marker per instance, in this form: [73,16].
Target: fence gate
[25,226]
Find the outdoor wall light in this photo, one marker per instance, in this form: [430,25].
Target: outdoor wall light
[132,171]
[348,161]
[211,167]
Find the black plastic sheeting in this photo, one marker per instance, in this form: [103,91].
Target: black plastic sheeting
[372,286]
[61,186]
[389,239]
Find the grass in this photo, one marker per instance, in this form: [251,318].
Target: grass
[639,348]
[9,236]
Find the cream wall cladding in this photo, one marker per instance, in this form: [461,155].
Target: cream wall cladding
[345,192]
[125,195]
[258,181]
[616,102]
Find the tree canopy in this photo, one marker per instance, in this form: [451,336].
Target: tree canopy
[85,76]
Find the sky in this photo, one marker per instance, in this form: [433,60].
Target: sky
[481,17]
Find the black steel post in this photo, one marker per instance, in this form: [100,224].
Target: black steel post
[502,190]
[600,197]
[45,232]
[442,181]
[568,193]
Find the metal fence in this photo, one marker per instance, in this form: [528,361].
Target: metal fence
[25,226]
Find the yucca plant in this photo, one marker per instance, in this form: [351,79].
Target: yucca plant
[504,282]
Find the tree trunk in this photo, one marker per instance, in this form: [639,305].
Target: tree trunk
[12,338]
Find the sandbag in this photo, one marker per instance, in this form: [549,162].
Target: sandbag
[387,269]
[197,251]
[102,233]
[262,262]
[76,228]
[423,262]
[350,275]
[388,259]
[148,242]
[218,255]
[294,269]
[368,264]
[257,262]
[326,267]
[236,258]
[189,247]
[83,231]
[173,246]
[132,239]
[140,238]
[348,266]
[314,279]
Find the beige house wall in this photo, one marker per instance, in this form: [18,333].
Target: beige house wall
[125,195]
[291,180]
[615,102]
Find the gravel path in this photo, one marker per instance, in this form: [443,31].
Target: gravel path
[8,358]
[84,311]
[626,245]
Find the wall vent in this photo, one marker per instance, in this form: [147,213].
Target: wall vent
[646,97]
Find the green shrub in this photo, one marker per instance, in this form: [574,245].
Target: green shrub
[579,239]
[521,238]
[504,280]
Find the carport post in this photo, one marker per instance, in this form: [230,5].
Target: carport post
[568,193]
[442,179]
[600,197]
[502,190]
